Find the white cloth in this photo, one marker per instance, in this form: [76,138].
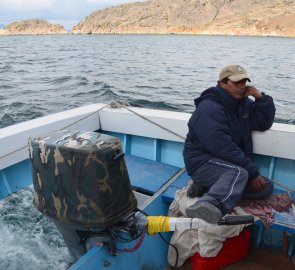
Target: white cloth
[208,241]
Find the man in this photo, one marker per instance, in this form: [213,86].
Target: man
[218,147]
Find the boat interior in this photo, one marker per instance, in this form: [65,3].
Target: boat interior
[154,161]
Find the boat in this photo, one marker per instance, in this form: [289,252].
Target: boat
[152,141]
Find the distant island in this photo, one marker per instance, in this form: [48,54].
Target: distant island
[206,17]
[197,17]
[32,27]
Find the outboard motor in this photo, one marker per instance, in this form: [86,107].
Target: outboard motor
[81,183]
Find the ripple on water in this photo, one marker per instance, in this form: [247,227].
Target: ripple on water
[6,68]
[60,80]
[153,104]
[109,94]
[20,112]
[6,86]
[17,104]
[7,120]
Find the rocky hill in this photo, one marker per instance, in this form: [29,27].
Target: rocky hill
[222,17]
[32,27]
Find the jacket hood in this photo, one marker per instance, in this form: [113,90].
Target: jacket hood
[217,94]
[211,93]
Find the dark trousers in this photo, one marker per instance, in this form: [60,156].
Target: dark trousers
[226,184]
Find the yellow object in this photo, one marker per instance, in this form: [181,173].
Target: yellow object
[158,224]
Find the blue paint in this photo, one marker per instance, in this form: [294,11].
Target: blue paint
[180,183]
[291,246]
[171,153]
[14,178]
[147,175]
[157,150]
[260,234]
[284,172]
[5,185]
[271,167]
[142,147]
[264,164]
[167,152]
[151,255]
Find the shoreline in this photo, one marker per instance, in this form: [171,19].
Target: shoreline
[149,33]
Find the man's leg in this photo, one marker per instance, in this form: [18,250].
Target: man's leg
[226,183]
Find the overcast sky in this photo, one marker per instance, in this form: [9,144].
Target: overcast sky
[65,12]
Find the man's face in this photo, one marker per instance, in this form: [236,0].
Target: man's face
[235,89]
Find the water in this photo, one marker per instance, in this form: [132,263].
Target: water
[40,75]
[28,240]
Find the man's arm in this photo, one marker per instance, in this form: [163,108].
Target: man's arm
[262,111]
[261,118]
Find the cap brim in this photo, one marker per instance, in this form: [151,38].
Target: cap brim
[239,77]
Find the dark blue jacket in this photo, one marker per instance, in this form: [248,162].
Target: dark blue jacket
[221,127]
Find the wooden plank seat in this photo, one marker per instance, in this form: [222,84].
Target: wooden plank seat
[148,176]
[179,183]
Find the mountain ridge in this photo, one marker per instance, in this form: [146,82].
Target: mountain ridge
[197,17]
[212,17]
[32,27]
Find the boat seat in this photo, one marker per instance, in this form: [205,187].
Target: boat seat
[148,176]
[179,183]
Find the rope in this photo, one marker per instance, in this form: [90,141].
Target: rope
[113,105]
[158,224]
[143,117]
[79,120]
[83,118]
[21,148]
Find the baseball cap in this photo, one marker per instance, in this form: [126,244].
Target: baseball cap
[233,72]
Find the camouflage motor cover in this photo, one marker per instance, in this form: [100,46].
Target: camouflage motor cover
[81,178]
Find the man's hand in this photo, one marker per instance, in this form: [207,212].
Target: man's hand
[252,91]
[257,184]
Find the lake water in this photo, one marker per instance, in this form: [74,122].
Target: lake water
[40,75]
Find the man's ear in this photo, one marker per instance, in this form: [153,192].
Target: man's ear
[222,84]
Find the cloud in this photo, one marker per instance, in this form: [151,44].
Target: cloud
[27,4]
[65,12]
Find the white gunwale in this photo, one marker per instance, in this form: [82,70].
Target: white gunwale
[277,142]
